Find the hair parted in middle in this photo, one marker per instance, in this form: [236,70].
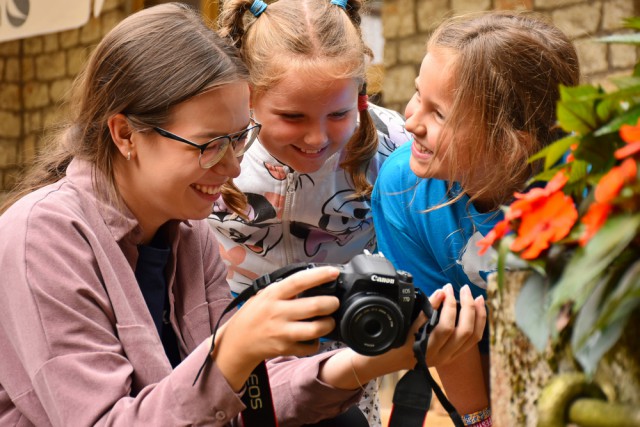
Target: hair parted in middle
[507,71]
[306,35]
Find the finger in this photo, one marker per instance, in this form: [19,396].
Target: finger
[299,282]
[467,315]
[481,317]
[309,330]
[310,307]
[437,298]
[448,312]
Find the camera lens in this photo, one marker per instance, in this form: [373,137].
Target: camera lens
[370,324]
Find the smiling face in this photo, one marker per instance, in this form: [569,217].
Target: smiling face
[163,180]
[426,114]
[306,119]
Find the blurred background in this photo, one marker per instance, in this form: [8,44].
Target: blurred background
[44,43]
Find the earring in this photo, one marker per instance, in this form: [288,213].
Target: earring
[129,156]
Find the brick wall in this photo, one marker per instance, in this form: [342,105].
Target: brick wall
[35,78]
[407,24]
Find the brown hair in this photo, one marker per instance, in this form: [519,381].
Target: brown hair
[150,62]
[301,34]
[507,70]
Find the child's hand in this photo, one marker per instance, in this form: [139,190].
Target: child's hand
[448,340]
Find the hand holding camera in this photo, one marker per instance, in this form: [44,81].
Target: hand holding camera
[378,304]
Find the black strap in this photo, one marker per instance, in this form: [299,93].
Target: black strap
[257,399]
[412,396]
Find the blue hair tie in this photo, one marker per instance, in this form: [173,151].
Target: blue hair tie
[341,3]
[257,7]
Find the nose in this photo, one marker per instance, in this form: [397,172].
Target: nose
[229,165]
[316,135]
[414,123]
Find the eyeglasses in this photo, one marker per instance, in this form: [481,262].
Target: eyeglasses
[211,152]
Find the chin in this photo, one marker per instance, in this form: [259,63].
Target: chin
[421,170]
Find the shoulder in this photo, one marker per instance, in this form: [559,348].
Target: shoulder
[54,207]
[395,172]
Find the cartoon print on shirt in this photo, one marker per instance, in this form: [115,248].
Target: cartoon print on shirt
[262,235]
[279,173]
[388,125]
[342,216]
[477,267]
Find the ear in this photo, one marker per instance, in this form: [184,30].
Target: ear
[121,131]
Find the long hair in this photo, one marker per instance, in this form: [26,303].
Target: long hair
[507,69]
[148,63]
[302,35]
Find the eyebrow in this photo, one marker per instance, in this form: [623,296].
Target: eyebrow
[214,134]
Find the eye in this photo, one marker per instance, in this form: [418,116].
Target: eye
[291,116]
[339,114]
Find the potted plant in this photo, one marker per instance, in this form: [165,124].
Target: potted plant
[577,233]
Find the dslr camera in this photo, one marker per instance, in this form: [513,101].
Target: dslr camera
[378,303]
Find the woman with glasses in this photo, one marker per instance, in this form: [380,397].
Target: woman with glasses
[111,280]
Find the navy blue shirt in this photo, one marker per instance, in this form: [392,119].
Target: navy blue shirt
[150,274]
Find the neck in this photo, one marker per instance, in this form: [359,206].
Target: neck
[134,202]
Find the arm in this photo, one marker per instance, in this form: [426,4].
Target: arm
[405,233]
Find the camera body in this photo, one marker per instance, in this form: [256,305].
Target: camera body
[378,303]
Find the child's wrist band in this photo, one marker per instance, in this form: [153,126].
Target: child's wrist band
[476,419]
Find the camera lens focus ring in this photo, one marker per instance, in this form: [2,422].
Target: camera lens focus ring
[370,324]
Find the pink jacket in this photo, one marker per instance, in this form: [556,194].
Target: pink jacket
[78,343]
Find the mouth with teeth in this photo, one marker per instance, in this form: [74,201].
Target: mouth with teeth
[209,190]
[420,151]
[309,151]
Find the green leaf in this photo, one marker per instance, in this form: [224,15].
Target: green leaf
[605,109]
[629,118]
[624,298]
[576,109]
[598,329]
[503,251]
[530,308]
[589,263]
[587,342]
[597,151]
[553,152]
[632,22]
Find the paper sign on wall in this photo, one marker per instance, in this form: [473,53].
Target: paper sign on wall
[21,19]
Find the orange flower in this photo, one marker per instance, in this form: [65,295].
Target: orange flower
[527,201]
[630,135]
[497,232]
[549,221]
[612,182]
[593,220]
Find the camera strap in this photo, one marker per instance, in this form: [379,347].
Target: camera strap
[412,395]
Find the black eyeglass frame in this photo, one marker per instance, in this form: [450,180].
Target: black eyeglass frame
[230,139]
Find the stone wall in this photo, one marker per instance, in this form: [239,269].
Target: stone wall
[36,73]
[407,24]
[35,78]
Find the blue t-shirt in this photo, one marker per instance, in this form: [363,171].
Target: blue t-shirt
[437,247]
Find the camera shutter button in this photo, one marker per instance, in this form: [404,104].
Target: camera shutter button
[405,276]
